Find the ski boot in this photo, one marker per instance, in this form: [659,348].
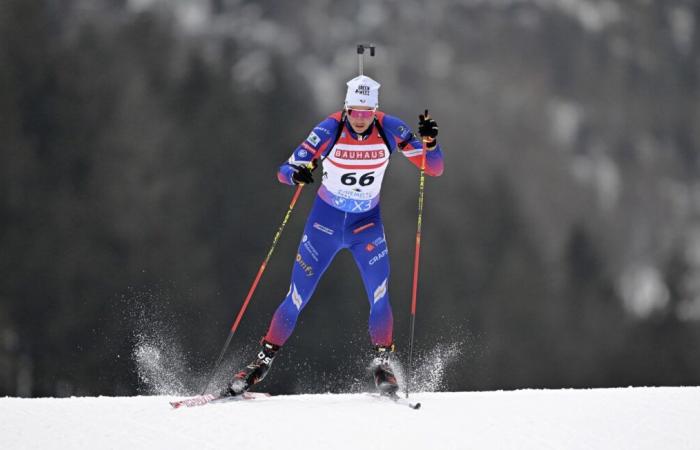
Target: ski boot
[384,377]
[253,373]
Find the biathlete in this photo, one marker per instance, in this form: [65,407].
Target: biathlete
[353,146]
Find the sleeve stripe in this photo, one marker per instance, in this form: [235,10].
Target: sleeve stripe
[410,153]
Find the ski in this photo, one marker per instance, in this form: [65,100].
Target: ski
[205,399]
[403,401]
[396,399]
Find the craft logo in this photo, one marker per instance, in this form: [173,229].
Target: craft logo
[378,256]
[308,268]
[362,90]
[359,154]
[369,247]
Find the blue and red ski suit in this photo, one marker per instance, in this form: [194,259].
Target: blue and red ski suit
[346,214]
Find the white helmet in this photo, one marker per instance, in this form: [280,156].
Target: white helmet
[362,91]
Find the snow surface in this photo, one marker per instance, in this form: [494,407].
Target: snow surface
[632,418]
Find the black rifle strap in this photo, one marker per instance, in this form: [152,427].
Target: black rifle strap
[380,129]
[338,132]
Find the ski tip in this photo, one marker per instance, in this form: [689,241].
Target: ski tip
[200,400]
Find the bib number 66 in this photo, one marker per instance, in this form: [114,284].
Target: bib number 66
[350,179]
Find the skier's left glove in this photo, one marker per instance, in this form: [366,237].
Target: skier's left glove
[428,130]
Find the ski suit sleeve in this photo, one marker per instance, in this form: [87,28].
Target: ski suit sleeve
[315,144]
[406,142]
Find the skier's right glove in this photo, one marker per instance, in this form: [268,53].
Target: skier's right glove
[303,174]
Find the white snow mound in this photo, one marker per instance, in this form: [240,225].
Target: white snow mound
[632,418]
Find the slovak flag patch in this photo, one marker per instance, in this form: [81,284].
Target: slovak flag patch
[313,139]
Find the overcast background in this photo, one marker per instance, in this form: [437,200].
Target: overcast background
[139,141]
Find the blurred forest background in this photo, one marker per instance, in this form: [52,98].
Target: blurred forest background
[139,141]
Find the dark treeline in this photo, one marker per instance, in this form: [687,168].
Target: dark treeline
[138,193]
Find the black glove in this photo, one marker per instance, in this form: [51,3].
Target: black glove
[428,128]
[303,174]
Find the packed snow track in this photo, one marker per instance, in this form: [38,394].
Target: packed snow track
[631,418]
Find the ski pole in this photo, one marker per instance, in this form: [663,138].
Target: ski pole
[416,260]
[254,285]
